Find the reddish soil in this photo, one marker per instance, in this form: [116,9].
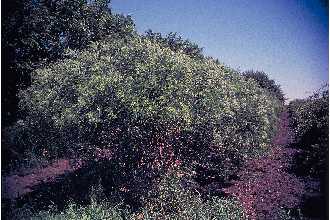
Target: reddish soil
[264,184]
[284,135]
[15,186]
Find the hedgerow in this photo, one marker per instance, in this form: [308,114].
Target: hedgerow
[150,105]
[310,122]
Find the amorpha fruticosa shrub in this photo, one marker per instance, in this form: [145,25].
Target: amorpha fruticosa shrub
[150,105]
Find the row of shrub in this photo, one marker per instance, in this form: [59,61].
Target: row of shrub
[310,121]
[154,103]
[153,108]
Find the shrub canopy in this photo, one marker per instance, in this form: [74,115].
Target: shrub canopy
[35,33]
[150,103]
[175,43]
[264,82]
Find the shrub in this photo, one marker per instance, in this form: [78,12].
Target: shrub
[310,122]
[150,106]
[264,82]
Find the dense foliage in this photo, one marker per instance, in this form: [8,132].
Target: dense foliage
[148,104]
[264,82]
[35,33]
[310,121]
[149,116]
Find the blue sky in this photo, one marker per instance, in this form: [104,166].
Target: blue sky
[288,39]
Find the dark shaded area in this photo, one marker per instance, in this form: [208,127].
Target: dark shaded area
[120,186]
[309,118]
[72,186]
[315,207]
[316,199]
[9,78]
[325,4]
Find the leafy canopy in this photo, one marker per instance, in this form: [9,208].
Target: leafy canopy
[151,101]
[264,82]
[35,33]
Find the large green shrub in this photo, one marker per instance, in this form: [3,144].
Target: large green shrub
[149,104]
[310,123]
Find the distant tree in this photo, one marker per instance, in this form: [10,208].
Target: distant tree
[264,82]
[175,43]
[36,32]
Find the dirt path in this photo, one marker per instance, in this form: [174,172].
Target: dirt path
[15,186]
[264,184]
[284,134]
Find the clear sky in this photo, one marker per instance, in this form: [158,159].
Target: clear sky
[288,39]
